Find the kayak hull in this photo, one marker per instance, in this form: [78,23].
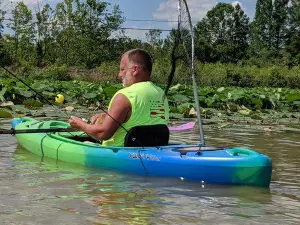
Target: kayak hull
[239,166]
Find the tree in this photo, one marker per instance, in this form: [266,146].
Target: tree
[44,39]
[154,37]
[2,14]
[64,33]
[83,31]
[223,34]
[261,26]
[280,16]
[269,26]
[240,32]
[293,40]
[23,40]
[94,27]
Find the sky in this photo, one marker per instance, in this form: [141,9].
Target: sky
[154,10]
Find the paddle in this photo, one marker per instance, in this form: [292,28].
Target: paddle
[12,131]
[185,126]
[34,131]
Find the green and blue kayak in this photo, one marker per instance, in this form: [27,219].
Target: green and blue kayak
[234,166]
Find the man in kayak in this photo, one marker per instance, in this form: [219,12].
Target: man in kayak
[139,103]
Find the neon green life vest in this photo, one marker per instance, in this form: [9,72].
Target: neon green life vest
[147,108]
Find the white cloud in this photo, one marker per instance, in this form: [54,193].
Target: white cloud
[234,3]
[198,8]
[35,2]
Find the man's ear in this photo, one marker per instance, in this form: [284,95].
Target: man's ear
[136,70]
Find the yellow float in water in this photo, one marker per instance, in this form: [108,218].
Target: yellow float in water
[59,98]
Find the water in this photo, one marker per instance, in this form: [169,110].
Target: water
[43,191]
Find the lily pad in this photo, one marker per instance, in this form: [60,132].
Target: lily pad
[175,87]
[256,117]
[90,95]
[293,97]
[232,107]
[244,112]
[180,98]
[176,116]
[4,104]
[221,89]
[183,108]
[26,94]
[31,103]
[110,91]
[18,109]
[5,114]
[258,102]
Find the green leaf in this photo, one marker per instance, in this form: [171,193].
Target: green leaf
[26,94]
[183,107]
[110,91]
[258,102]
[2,92]
[209,102]
[90,95]
[18,109]
[176,116]
[296,103]
[175,87]
[32,103]
[221,89]
[256,117]
[5,114]
[293,97]
[180,98]
[245,112]
[48,94]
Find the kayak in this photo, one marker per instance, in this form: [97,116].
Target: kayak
[233,166]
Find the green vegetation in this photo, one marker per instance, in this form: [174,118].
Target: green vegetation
[243,67]
[231,100]
[84,40]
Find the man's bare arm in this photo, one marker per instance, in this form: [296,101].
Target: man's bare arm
[119,111]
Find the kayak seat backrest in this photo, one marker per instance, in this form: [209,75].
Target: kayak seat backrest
[147,136]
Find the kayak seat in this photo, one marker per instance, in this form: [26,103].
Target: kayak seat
[147,136]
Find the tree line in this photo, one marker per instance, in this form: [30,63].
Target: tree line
[87,34]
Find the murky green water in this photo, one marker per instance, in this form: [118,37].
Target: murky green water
[42,191]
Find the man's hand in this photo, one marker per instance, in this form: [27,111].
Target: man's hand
[76,122]
[98,118]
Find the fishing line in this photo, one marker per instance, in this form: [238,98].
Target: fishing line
[187,36]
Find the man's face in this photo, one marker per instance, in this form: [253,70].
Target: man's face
[126,72]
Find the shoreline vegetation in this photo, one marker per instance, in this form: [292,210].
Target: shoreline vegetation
[219,105]
[248,69]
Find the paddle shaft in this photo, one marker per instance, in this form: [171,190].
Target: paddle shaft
[185,126]
[34,131]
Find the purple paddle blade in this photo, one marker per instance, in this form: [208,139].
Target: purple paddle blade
[185,126]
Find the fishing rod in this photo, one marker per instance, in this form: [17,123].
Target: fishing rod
[186,126]
[13,131]
[40,95]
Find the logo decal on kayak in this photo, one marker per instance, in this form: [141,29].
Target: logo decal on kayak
[143,156]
